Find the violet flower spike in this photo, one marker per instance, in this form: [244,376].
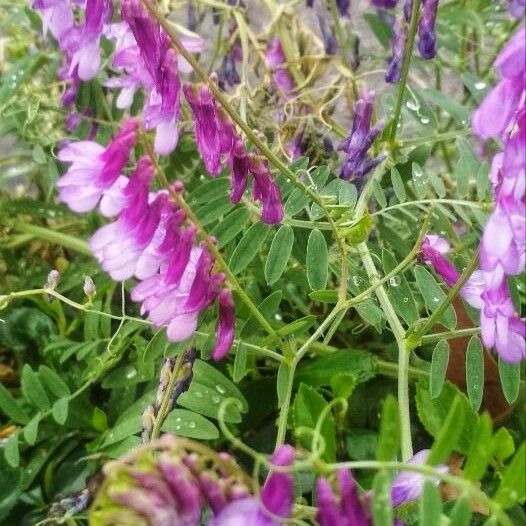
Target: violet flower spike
[426,29]
[394,68]
[384,4]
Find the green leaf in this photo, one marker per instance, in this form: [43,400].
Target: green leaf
[52,382]
[381,30]
[208,390]
[185,423]
[307,409]
[389,438]
[324,296]
[240,362]
[130,426]
[461,513]
[230,226]
[248,247]
[430,505]
[439,362]
[267,307]
[10,407]
[298,326]
[433,296]
[60,410]
[32,389]
[433,413]
[510,378]
[282,382]
[317,260]
[502,446]
[480,450]
[279,254]
[454,109]
[398,185]
[449,433]
[31,430]
[379,194]
[381,504]
[11,452]
[475,372]
[399,291]
[320,371]
[512,488]
[343,385]
[212,211]
[467,168]
[296,202]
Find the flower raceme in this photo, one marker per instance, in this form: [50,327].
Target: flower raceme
[426,36]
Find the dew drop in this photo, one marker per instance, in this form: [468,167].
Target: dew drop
[406,300]
[216,399]
[177,427]
[131,373]
[220,389]
[191,424]
[480,85]
[178,419]
[413,105]
[395,281]
[424,120]
[436,300]
[199,394]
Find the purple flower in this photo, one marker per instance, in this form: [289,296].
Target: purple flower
[94,169]
[498,110]
[276,60]
[432,253]
[385,4]
[225,325]
[358,163]
[426,29]
[343,7]
[517,7]
[407,485]
[214,135]
[266,191]
[158,72]
[276,498]
[57,16]
[500,326]
[330,43]
[118,246]
[348,510]
[394,68]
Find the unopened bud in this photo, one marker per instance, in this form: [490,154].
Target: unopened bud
[89,288]
[4,302]
[52,281]
[148,420]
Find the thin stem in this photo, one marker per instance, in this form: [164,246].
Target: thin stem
[405,70]
[439,336]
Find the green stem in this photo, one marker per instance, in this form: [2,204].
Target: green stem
[405,71]
[439,336]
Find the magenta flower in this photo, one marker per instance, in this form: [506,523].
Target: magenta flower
[277,62]
[276,498]
[118,246]
[94,169]
[432,253]
[407,485]
[214,135]
[426,29]
[498,110]
[358,163]
[500,326]
[57,16]
[160,62]
[265,190]
[225,325]
[348,510]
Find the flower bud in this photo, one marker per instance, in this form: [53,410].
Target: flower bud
[89,289]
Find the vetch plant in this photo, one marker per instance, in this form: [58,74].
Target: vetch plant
[262,262]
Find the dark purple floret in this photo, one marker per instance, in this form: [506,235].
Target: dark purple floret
[385,4]
[343,7]
[394,68]
[426,30]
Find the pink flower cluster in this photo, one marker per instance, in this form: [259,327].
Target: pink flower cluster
[146,61]
[148,238]
[502,115]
